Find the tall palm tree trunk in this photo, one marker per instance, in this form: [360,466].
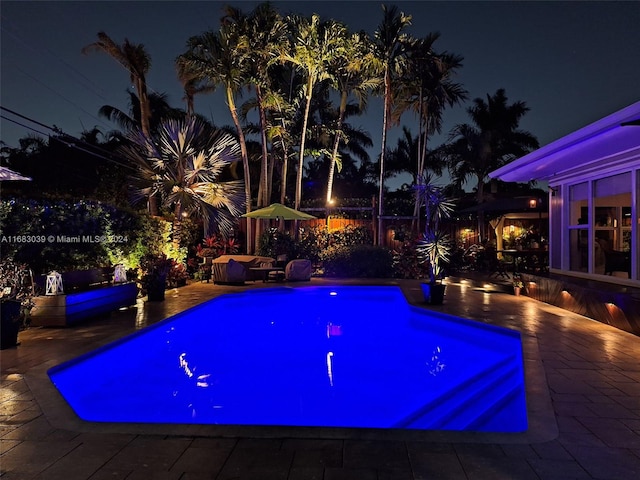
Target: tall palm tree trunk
[285,166]
[263,191]
[245,165]
[177,227]
[415,223]
[145,126]
[336,144]
[307,108]
[480,199]
[387,93]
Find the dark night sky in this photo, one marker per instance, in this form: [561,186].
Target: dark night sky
[571,62]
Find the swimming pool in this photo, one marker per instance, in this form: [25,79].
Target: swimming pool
[310,356]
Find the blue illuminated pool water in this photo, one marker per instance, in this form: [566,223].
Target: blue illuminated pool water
[313,356]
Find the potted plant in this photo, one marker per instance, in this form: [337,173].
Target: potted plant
[177,275]
[518,285]
[16,294]
[154,271]
[435,246]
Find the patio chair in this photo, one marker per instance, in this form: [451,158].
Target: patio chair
[617,261]
[205,269]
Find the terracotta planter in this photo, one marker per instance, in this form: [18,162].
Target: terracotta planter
[516,291]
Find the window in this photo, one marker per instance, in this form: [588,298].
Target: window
[579,227]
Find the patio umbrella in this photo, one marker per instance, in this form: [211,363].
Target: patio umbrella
[278,211]
[7,174]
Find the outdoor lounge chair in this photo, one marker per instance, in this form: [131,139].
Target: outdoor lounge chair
[236,268]
[298,270]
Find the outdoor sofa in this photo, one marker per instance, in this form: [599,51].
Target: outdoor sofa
[236,269]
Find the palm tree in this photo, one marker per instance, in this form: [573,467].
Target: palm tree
[218,58]
[285,97]
[352,73]
[390,45]
[315,45]
[136,60]
[182,164]
[323,130]
[404,157]
[264,34]
[428,90]
[492,140]
[191,84]
[158,107]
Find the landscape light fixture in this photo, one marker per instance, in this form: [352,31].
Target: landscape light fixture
[119,274]
[54,284]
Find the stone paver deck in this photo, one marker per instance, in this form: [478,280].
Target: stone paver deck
[583,391]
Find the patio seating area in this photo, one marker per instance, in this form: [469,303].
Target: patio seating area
[582,382]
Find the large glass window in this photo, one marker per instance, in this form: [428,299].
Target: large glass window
[612,225]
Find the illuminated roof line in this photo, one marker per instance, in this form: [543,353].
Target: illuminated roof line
[541,164]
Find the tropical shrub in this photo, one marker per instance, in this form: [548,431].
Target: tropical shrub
[359,261]
[407,262]
[215,245]
[177,275]
[60,234]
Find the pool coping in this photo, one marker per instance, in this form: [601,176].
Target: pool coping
[542,424]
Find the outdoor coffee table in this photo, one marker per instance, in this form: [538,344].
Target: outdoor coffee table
[265,271]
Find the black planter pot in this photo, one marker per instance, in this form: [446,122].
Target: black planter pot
[433,293]
[156,288]
[10,318]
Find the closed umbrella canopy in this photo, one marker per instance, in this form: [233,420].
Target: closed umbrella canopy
[278,211]
[8,174]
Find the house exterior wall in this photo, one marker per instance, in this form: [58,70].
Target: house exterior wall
[594,179]
[595,225]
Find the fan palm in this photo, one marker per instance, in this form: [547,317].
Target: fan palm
[182,165]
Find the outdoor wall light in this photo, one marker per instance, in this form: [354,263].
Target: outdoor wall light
[533,203]
[54,284]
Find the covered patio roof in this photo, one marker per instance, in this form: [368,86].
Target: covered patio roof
[611,141]
[510,205]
